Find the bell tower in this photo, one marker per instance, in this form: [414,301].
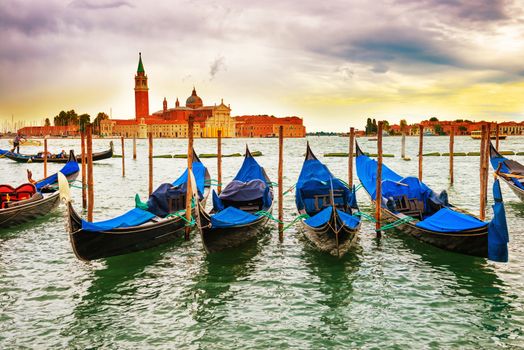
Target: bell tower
[141,91]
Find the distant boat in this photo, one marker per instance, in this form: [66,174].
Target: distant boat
[372,139]
[28,142]
[477,135]
[428,133]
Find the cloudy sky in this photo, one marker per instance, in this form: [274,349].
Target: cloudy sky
[334,63]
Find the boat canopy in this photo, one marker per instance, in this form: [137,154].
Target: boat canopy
[232,216]
[507,166]
[315,179]
[68,169]
[322,218]
[447,220]
[134,217]
[158,203]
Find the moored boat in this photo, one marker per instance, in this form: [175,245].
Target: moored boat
[241,210]
[329,206]
[34,199]
[55,158]
[150,224]
[421,213]
[510,171]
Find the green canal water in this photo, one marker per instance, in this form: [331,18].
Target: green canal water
[393,293]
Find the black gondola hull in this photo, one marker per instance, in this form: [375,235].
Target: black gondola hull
[89,245]
[519,192]
[33,159]
[325,238]
[24,213]
[219,239]
[469,242]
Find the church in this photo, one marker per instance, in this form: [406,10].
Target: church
[170,122]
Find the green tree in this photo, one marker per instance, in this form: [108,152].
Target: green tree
[403,125]
[47,122]
[83,121]
[369,126]
[463,129]
[96,123]
[66,118]
[433,119]
[439,130]
[375,127]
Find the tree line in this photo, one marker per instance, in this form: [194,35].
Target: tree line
[68,118]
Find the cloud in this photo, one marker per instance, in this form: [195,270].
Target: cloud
[97,5]
[216,66]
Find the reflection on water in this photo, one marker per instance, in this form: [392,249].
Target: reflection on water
[393,292]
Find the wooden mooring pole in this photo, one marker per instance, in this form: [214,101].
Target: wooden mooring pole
[219,161]
[90,182]
[123,157]
[497,131]
[280,183]
[451,150]
[350,156]
[150,139]
[420,149]
[403,145]
[482,207]
[45,157]
[378,191]
[134,147]
[189,193]
[486,161]
[84,170]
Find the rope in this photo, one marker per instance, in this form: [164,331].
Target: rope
[268,215]
[300,217]
[212,182]
[358,187]
[365,216]
[289,189]
[396,223]
[272,184]
[190,222]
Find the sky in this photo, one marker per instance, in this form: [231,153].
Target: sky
[333,63]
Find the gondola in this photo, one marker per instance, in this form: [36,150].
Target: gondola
[240,211]
[421,213]
[31,200]
[510,171]
[150,224]
[329,203]
[36,158]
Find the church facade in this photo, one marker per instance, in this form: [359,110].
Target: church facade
[170,122]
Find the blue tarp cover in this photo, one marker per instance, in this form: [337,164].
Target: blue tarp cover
[498,236]
[323,217]
[316,179]
[199,170]
[231,216]
[133,217]
[2,152]
[348,220]
[250,170]
[367,173]
[240,191]
[68,169]
[320,219]
[447,220]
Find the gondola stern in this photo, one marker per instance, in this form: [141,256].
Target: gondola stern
[358,150]
[309,153]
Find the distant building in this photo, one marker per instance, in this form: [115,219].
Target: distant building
[41,131]
[170,122]
[268,126]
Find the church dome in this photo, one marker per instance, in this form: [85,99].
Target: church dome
[194,101]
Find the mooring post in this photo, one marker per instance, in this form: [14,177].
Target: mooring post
[219,161]
[403,145]
[123,157]
[486,162]
[134,147]
[350,157]
[497,131]
[378,196]
[189,192]
[280,183]
[150,139]
[90,182]
[420,149]
[84,170]
[45,157]
[482,207]
[451,150]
